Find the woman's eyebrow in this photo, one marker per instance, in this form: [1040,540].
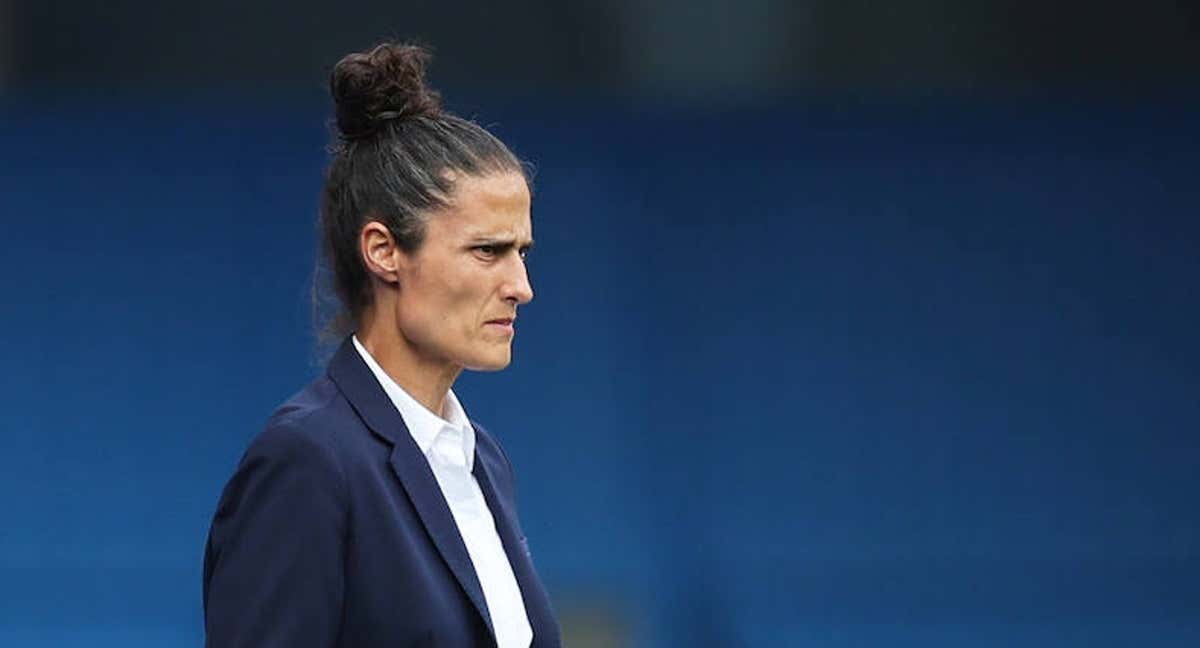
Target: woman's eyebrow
[500,241]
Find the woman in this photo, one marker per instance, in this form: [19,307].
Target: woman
[370,511]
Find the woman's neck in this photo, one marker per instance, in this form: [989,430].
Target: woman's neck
[426,380]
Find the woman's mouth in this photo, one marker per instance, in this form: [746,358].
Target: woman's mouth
[503,324]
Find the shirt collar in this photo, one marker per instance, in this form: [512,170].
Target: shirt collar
[423,425]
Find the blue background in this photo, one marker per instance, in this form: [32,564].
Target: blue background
[833,375]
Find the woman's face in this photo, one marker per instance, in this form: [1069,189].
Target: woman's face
[458,293]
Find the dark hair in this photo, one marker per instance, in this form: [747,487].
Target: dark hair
[395,155]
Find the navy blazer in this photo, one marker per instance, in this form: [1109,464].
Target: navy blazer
[334,532]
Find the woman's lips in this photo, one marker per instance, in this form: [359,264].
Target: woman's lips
[503,324]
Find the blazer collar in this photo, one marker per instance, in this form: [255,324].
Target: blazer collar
[422,424]
[375,408]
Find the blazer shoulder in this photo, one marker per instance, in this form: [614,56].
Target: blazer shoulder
[319,411]
[317,398]
[305,427]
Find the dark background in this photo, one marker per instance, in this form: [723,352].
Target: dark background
[856,323]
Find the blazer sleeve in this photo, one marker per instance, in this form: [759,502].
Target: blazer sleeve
[273,567]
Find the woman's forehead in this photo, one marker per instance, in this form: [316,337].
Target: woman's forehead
[491,205]
[493,189]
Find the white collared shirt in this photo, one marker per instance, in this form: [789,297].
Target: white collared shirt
[449,445]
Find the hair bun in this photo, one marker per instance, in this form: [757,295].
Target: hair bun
[386,83]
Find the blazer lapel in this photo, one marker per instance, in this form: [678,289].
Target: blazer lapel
[537,602]
[366,395]
[413,470]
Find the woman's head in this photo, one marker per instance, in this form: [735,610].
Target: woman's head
[399,162]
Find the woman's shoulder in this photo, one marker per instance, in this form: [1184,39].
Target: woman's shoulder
[316,419]
[307,407]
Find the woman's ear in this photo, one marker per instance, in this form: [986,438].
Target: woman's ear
[380,254]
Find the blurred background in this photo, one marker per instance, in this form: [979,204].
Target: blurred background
[857,323]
